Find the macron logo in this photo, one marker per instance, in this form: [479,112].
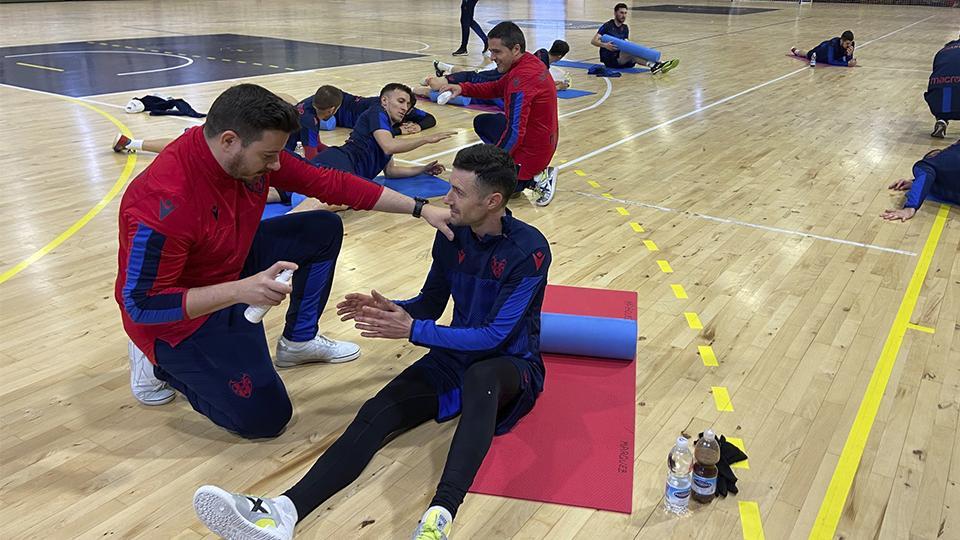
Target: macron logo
[166,206]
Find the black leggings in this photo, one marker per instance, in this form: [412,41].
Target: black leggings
[467,22]
[406,402]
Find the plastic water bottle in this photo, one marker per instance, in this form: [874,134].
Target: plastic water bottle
[678,477]
[707,454]
[443,98]
[813,60]
[255,314]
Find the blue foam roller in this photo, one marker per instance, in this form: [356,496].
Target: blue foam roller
[581,335]
[329,124]
[633,49]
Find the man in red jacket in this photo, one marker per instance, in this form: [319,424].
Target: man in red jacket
[194,254]
[528,130]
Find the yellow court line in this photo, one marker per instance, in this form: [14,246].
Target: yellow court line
[594,184]
[636,226]
[664,266]
[693,320]
[836,497]
[707,355]
[750,520]
[607,195]
[114,191]
[926,329]
[745,464]
[24,64]
[622,211]
[651,245]
[721,398]
[579,172]
[678,291]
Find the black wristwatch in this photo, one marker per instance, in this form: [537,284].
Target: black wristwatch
[418,207]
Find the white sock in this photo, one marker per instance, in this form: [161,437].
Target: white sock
[288,507]
[445,66]
[136,144]
[649,63]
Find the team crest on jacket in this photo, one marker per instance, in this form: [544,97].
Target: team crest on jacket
[243,387]
[497,266]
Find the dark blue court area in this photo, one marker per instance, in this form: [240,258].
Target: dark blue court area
[87,68]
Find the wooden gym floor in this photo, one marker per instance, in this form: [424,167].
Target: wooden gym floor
[758,180]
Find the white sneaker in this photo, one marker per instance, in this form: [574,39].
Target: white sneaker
[546,186]
[146,387]
[318,349]
[240,517]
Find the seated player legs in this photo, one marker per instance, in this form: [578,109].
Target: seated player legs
[490,374]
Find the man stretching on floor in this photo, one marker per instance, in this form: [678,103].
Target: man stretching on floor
[836,52]
[943,90]
[485,366]
[448,73]
[529,128]
[937,174]
[613,57]
[371,146]
[194,254]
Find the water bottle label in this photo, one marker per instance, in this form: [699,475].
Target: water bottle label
[704,486]
[678,496]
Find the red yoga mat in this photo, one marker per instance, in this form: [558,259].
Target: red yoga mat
[576,446]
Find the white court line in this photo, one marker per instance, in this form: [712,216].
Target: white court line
[748,224]
[189,60]
[427,159]
[714,104]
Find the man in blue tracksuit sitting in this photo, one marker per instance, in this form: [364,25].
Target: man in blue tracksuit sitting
[937,174]
[943,91]
[485,366]
[836,52]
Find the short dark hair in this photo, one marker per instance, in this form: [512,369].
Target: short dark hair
[248,110]
[495,169]
[397,86]
[509,34]
[847,34]
[559,48]
[327,96]
[619,6]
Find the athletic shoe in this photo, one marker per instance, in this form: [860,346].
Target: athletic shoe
[146,387]
[939,129]
[668,65]
[546,186]
[794,51]
[120,144]
[460,52]
[434,525]
[240,517]
[657,66]
[317,350]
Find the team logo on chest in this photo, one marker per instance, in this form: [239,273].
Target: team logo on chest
[461,255]
[258,186]
[497,266]
[538,259]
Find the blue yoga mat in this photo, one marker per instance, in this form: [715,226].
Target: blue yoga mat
[587,65]
[581,335]
[423,185]
[570,93]
[278,209]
